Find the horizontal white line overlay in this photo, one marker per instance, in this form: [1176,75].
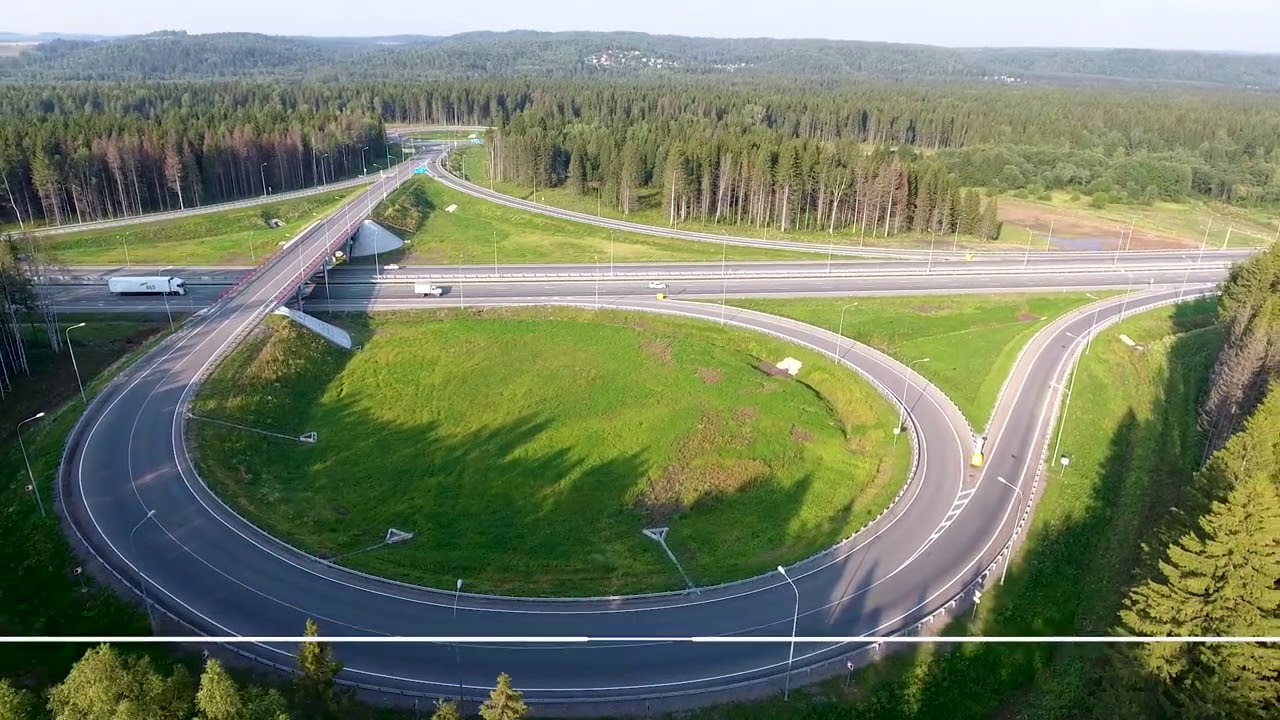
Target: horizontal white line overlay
[550,639]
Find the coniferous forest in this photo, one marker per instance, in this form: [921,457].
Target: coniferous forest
[879,159]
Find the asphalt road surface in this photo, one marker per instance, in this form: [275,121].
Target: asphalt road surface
[135,501]
[365,296]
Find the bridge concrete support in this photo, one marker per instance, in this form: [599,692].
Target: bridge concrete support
[332,333]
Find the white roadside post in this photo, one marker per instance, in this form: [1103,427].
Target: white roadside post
[35,488]
[74,366]
[795,618]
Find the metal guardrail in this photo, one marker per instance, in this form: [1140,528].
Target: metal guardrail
[201,210]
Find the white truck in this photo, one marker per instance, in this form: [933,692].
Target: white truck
[135,285]
[423,289]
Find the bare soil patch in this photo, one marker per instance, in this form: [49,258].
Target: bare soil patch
[710,376]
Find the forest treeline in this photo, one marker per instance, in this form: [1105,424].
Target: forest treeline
[111,684]
[1219,576]
[121,152]
[176,55]
[91,150]
[756,178]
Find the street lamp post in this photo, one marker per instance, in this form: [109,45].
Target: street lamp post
[35,488]
[1127,288]
[364,169]
[1009,554]
[906,384]
[1026,262]
[457,655]
[597,259]
[933,239]
[795,618]
[262,172]
[840,332]
[165,295]
[74,366]
[146,599]
[1092,323]
[1066,405]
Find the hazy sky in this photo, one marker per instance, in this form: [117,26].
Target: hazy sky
[1241,25]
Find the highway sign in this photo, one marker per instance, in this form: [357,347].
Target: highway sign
[419,171]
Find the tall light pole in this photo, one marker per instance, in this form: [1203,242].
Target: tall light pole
[1048,241]
[35,488]
[933,239]
[1227,239]
[795,618]
[1026,262]
[906,384]
[364,169]
[165,295]
[1187,274]
[1092,324]
[1066,405]
[146,599]
[1127,288]
[262,172]
[495,254]
[323,180]
[724,279]
[597,259]
[457,656]
[1009,555]
[840,332]
[74,366]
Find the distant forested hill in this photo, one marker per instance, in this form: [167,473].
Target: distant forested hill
[177,55]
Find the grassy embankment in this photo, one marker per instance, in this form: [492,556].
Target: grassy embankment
[232,237]
[1078,225]
[971,340]
[534,471]
[41,595]
[468,235]
[1161,224]
[1131,433]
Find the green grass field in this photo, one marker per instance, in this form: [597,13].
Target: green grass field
[971,340]
[468,235]
[232,237]
[527,449]
[1158,224]
[41,594]
[1131,433]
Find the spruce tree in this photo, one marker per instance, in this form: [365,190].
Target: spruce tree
[446,710]
[15,704]
[218,697]
[1218,581]
[315,686]
[504,703]
[989,227]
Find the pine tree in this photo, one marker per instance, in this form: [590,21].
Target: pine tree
[989,228]
[1219,581]
[316,688]
[504,703]
[218,697]
[15,704]
[446,710]
[970,213]
[102,685]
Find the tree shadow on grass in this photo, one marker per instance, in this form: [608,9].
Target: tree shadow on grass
[1070,578]
[494,505]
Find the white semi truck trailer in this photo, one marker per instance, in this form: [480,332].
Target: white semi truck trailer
[135,285]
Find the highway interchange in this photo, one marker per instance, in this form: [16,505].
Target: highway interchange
[136,503]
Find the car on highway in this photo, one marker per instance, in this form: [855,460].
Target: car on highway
[655,285]
[392,266]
